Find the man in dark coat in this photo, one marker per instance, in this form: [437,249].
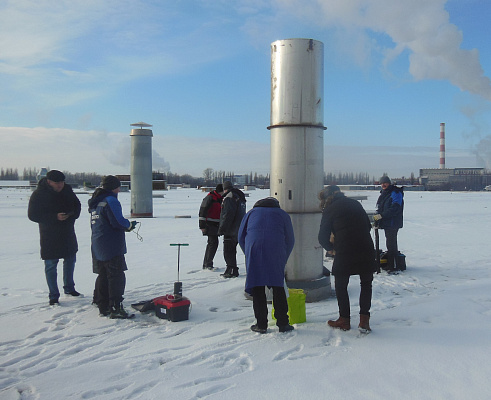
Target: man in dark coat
[266,237]
[209,220]
[233,210]
[109,247]
[345,233]
[55,207]
[389,217]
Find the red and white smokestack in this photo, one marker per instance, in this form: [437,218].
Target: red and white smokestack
[442,145]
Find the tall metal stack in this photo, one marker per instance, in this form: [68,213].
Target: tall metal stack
[141,171]
[297,155]
[442,145]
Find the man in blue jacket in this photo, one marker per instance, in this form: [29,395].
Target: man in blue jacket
[266,237]
[109,247]
[389,217]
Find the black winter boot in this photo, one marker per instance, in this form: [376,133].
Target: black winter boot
[233,272]
[118,312]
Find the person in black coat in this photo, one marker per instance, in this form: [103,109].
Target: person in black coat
[55,207]
[345,233]
[389,217]
[233,210]
[209,220]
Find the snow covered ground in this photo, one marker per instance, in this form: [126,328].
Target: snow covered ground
[431,324]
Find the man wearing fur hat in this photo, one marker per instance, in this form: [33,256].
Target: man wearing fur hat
[345,232]
[55,207]
[233,210]
[109,247]
[389,217]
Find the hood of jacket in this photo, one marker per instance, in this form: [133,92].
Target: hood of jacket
[268,202]
[239,193]
[99,195]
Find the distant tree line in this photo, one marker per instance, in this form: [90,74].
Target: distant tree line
[210,178]
[30,174]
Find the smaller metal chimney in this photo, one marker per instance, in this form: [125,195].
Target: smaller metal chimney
[141,171]
[442,145]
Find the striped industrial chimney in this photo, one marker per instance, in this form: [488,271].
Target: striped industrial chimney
[442,145]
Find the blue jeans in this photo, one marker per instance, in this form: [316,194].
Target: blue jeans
[52,276]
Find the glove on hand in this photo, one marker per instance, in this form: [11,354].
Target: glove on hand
[132,226]
[377,217]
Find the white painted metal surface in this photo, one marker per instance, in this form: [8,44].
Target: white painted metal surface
[141,173]
[297,154]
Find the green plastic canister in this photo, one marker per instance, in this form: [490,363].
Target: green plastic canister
[296,306]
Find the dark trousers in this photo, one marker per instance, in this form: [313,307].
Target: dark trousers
[391,241]
[110,282]
[341,286]
[211,249]
[392,249]
[230,251]
[260,306]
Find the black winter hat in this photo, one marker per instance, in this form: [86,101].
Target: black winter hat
[385,179]
[55,176]
[110,182]
[227,185]
[329,191]
[219,188]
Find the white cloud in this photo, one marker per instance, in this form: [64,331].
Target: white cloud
[421,26]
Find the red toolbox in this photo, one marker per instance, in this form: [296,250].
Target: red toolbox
[173,308]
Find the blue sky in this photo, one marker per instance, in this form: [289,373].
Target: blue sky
[75,74]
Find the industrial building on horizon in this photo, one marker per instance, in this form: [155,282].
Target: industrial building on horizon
[453,178]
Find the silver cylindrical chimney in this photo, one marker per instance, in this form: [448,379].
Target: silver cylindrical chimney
[442,145]
[297,155]
[141,171]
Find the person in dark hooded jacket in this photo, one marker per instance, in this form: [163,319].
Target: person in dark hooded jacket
[109,247]
[233,210]
[267,239]
[345,233]
[209,220]
[55,207]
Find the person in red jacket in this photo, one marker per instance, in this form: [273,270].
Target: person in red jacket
[209,220]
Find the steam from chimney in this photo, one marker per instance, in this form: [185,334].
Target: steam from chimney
[420,29]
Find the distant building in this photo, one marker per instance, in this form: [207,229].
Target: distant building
[158,182]
[240,180]
[454,178]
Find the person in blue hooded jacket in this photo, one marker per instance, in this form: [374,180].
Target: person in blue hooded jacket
[267,239]
[109,247]
[389,217]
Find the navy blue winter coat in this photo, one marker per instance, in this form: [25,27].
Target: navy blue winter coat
[57,238]
[108,225]
[390,205]
[266,238]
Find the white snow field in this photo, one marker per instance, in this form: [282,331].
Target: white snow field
[431,324]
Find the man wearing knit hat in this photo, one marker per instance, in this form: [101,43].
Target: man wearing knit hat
[209,219]
[389,217]
[55,207]
[233,210]
[109,247]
